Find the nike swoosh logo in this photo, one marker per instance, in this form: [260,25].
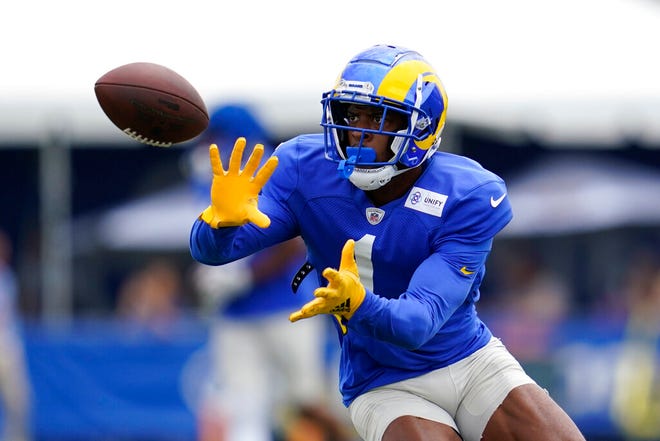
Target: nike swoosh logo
[466,271]
[495,202]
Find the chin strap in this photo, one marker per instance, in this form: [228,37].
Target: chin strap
[368,179]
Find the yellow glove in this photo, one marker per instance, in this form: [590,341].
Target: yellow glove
[344,293]
[234,193]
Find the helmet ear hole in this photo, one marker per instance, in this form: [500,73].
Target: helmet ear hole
[338,111]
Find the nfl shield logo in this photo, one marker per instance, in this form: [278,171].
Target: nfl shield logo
[375,215]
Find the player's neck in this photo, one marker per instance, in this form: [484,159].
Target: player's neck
[397,187]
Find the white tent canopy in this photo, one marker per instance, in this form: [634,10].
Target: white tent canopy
[160,222]
[566,195]
[563,70]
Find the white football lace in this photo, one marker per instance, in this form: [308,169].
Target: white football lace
[133,134]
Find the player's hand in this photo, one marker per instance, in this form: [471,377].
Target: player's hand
[234,192]
[344,293]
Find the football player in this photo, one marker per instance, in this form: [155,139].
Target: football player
[400,233]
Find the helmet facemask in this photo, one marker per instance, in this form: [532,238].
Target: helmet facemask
[358,163]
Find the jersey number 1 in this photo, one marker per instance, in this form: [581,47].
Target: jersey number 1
[363,250]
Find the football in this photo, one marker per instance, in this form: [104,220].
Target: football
[152,104]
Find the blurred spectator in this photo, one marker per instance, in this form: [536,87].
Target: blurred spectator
[14,384]
[151,296]
[636,395]
[529,302]
[314,423]
[261,364]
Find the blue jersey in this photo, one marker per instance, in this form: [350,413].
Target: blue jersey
[421,257]
[269,296]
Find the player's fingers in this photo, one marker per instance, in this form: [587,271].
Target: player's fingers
[236,156]
[314,306]
[254,160]
[332,275]
[348,256]
[265,172]
[309,309]
[216,162]
[257,217]
[323,292]
[299,315]
[295,316]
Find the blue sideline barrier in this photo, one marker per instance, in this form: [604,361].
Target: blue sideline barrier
[107,380]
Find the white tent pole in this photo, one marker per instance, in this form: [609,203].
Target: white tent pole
[55,221]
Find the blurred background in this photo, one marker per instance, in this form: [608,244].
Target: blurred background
[104,330]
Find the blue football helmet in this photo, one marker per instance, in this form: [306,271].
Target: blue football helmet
[394,79]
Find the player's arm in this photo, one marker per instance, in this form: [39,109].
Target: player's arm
[439,286]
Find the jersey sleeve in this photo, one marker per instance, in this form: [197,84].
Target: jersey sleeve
[477,216]
[286,176]
[211,246]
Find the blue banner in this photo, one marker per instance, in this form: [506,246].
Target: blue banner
[109,380]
